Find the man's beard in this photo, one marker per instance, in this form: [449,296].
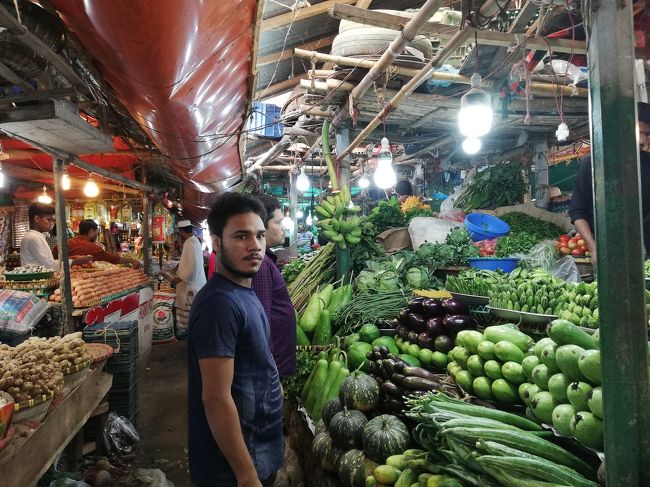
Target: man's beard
[228,264]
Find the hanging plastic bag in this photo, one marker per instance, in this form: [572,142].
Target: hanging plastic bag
[543,255]
[153,477]
[120,437]
[566,269]
[68,482]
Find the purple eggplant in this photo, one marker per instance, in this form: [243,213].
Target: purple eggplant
[454,307]
[443,343]
[415,304]
[425,340]
[435,327]
[433,308]
[412,337]
[402,331]
[455,323]
[403,317]
[416,322]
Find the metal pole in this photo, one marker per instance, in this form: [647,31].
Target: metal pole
[62,244]
[623,322]
[146,236]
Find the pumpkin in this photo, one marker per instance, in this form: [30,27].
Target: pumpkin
[359,391]
[329,455]
[384,436]
[354,467]
[346,428]
[320,427]
[330,409]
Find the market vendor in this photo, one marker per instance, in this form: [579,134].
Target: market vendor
[581,210]
[190,275]
[34,248]
[85,244]
[403,189]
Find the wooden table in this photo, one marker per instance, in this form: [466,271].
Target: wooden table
[25,465]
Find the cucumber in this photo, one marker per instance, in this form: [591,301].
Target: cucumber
[557,386]
[475,365]
[385,474]
[492,369]
[589,365]
[397,461]
[521,391]
[588,430]
[485,350]
[540,345]
[528,364]
[543,405]
[530,392]
[513,372]
[541,376]
[578,394]
[548,358]
[407,478]
[508,352]
[595,401]
[509,333]
[564,332]
[505,392]
[464,380]
[562,416]
[482,387]
[470,339]
[567,357]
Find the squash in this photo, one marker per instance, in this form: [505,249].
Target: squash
[384,436]
[346,428]
[329,455]
[359,391]
[330,409]
[354,467]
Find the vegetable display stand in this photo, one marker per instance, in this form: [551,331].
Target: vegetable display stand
[443,272]
[25,463]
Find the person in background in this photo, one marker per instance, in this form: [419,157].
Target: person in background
[34,248]
[305,237]
[190,276]
[271,290]
[212,264]
[581,209]
[234,399]
[85,244]
[403,190]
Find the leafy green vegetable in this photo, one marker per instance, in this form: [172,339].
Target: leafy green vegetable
[417,277]
[502,184]
[305,362]
[525,232]
[367,248]
[366,281]
[388,281]
[415,212]
[291,270]
[387,214]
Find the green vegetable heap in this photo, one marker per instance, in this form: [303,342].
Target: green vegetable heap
[525,232]
[473,282]
[387,214]
[530,292]
[454,252]
[500,185]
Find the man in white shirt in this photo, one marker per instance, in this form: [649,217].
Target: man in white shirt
[34,248]
[190,276]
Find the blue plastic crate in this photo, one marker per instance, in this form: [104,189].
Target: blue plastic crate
[493,264]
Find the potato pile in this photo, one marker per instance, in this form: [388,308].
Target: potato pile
[90,285]
[36,366]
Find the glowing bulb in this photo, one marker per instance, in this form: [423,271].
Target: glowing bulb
[65,182]
[364,182]
[475,115]
[309,220]
[91,189]
[44,198]
[384,173]
[302,181]
[2,176]
[287,223]
[471,145]
[299,214]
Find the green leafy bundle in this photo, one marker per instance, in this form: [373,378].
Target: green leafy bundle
[387,214]
[525,232]
[500,185]
[305,362]
[367,248]
[454,252]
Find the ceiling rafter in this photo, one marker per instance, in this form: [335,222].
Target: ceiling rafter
[303,13]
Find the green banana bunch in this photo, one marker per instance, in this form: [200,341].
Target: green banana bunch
[339,223]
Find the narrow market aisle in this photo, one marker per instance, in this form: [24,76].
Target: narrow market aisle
[163,413]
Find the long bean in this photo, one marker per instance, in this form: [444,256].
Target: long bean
[369,307]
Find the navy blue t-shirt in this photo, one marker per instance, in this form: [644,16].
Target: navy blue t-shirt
[227,320]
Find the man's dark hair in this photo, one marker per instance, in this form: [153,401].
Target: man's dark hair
[231,204]
[39,209]
[270,205]
[86,226]
[188,229]
[404,188]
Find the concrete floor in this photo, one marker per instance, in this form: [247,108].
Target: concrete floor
[163,413]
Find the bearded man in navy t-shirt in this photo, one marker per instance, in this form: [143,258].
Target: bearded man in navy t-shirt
[234,398]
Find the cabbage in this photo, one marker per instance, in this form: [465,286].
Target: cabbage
[417,278]
[366,281]
[388,281]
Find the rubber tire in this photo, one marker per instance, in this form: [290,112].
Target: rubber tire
[374,40]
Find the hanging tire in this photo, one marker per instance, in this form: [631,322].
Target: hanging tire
[372,40]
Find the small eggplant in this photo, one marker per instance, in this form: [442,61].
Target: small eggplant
[401,331]
[415,304]
[383,351]
[375,370]
[443,344]
[380,323]
[393,404]
[420,372]
[434,326]
[455,307]
[419,384]
[403,317]
[433,308]
[392,323]
[376,354]
[416,322]
[425,340]
[412,337]
[397,378]
[391,389]
[455,323]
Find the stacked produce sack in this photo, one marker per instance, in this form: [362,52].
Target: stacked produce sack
[315,324]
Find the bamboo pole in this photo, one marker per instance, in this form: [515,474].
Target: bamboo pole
[62,245]
[329,85]
[408,88]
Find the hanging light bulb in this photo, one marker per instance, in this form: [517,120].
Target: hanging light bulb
[287,222]
[384,174]
[364,182]
[91,189]
[471,145]
[44,198]
[302,181]
[65,181]
[2,175]
[475,115]
[299,214]
[309,220]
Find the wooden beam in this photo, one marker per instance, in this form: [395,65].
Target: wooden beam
[303,13]
[504,39]
[363,3]
[7,73]
[26,37]
[276,88]
[288,53]
[38,95]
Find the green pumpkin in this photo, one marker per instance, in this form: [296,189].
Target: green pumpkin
[384,436]
[354,467]
[346,428]
[329,455]
[330,409]
[359,391]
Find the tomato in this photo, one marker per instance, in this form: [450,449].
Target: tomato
[564,238]
[558,245]
[572,245]
[565,250]
[580,242]
[576,252]
[583,248]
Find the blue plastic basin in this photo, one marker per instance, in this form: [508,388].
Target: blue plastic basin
[484,227]
[493,264]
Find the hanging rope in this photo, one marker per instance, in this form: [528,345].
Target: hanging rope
[519,73]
